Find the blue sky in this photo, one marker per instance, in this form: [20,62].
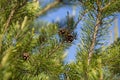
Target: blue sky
[59,14]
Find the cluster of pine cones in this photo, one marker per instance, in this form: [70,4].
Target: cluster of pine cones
[66,35]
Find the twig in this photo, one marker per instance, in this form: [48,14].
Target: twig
[48,7]
[98,22]
[107,5]
[10,18]
[17,6]
[54,50]
[94,36]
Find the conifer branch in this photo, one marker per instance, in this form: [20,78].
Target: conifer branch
[107,5]
[95,32]
[10,18]
[11,15]
[54,50]
[48,7]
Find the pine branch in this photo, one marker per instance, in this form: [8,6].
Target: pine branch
[106,6]
[94,36]
[10,18]
[48,7]
[93,40]
[15,8]
[54,50]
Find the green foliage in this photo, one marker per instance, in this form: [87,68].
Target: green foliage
[35,51]
[99,67]
[113,8]
[111,58]
[28,51]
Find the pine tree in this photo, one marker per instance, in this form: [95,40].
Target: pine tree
[30,50]
[90,58]
[111,57]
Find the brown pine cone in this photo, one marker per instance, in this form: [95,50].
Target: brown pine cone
[69,38]
[25,56]
[60,0]
[62,31]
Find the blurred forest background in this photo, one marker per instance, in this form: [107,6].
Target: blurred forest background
[59,40]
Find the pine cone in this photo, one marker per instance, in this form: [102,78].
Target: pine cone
[62,31]
[66,35]
[69,38]
[25,56]
[60,0]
